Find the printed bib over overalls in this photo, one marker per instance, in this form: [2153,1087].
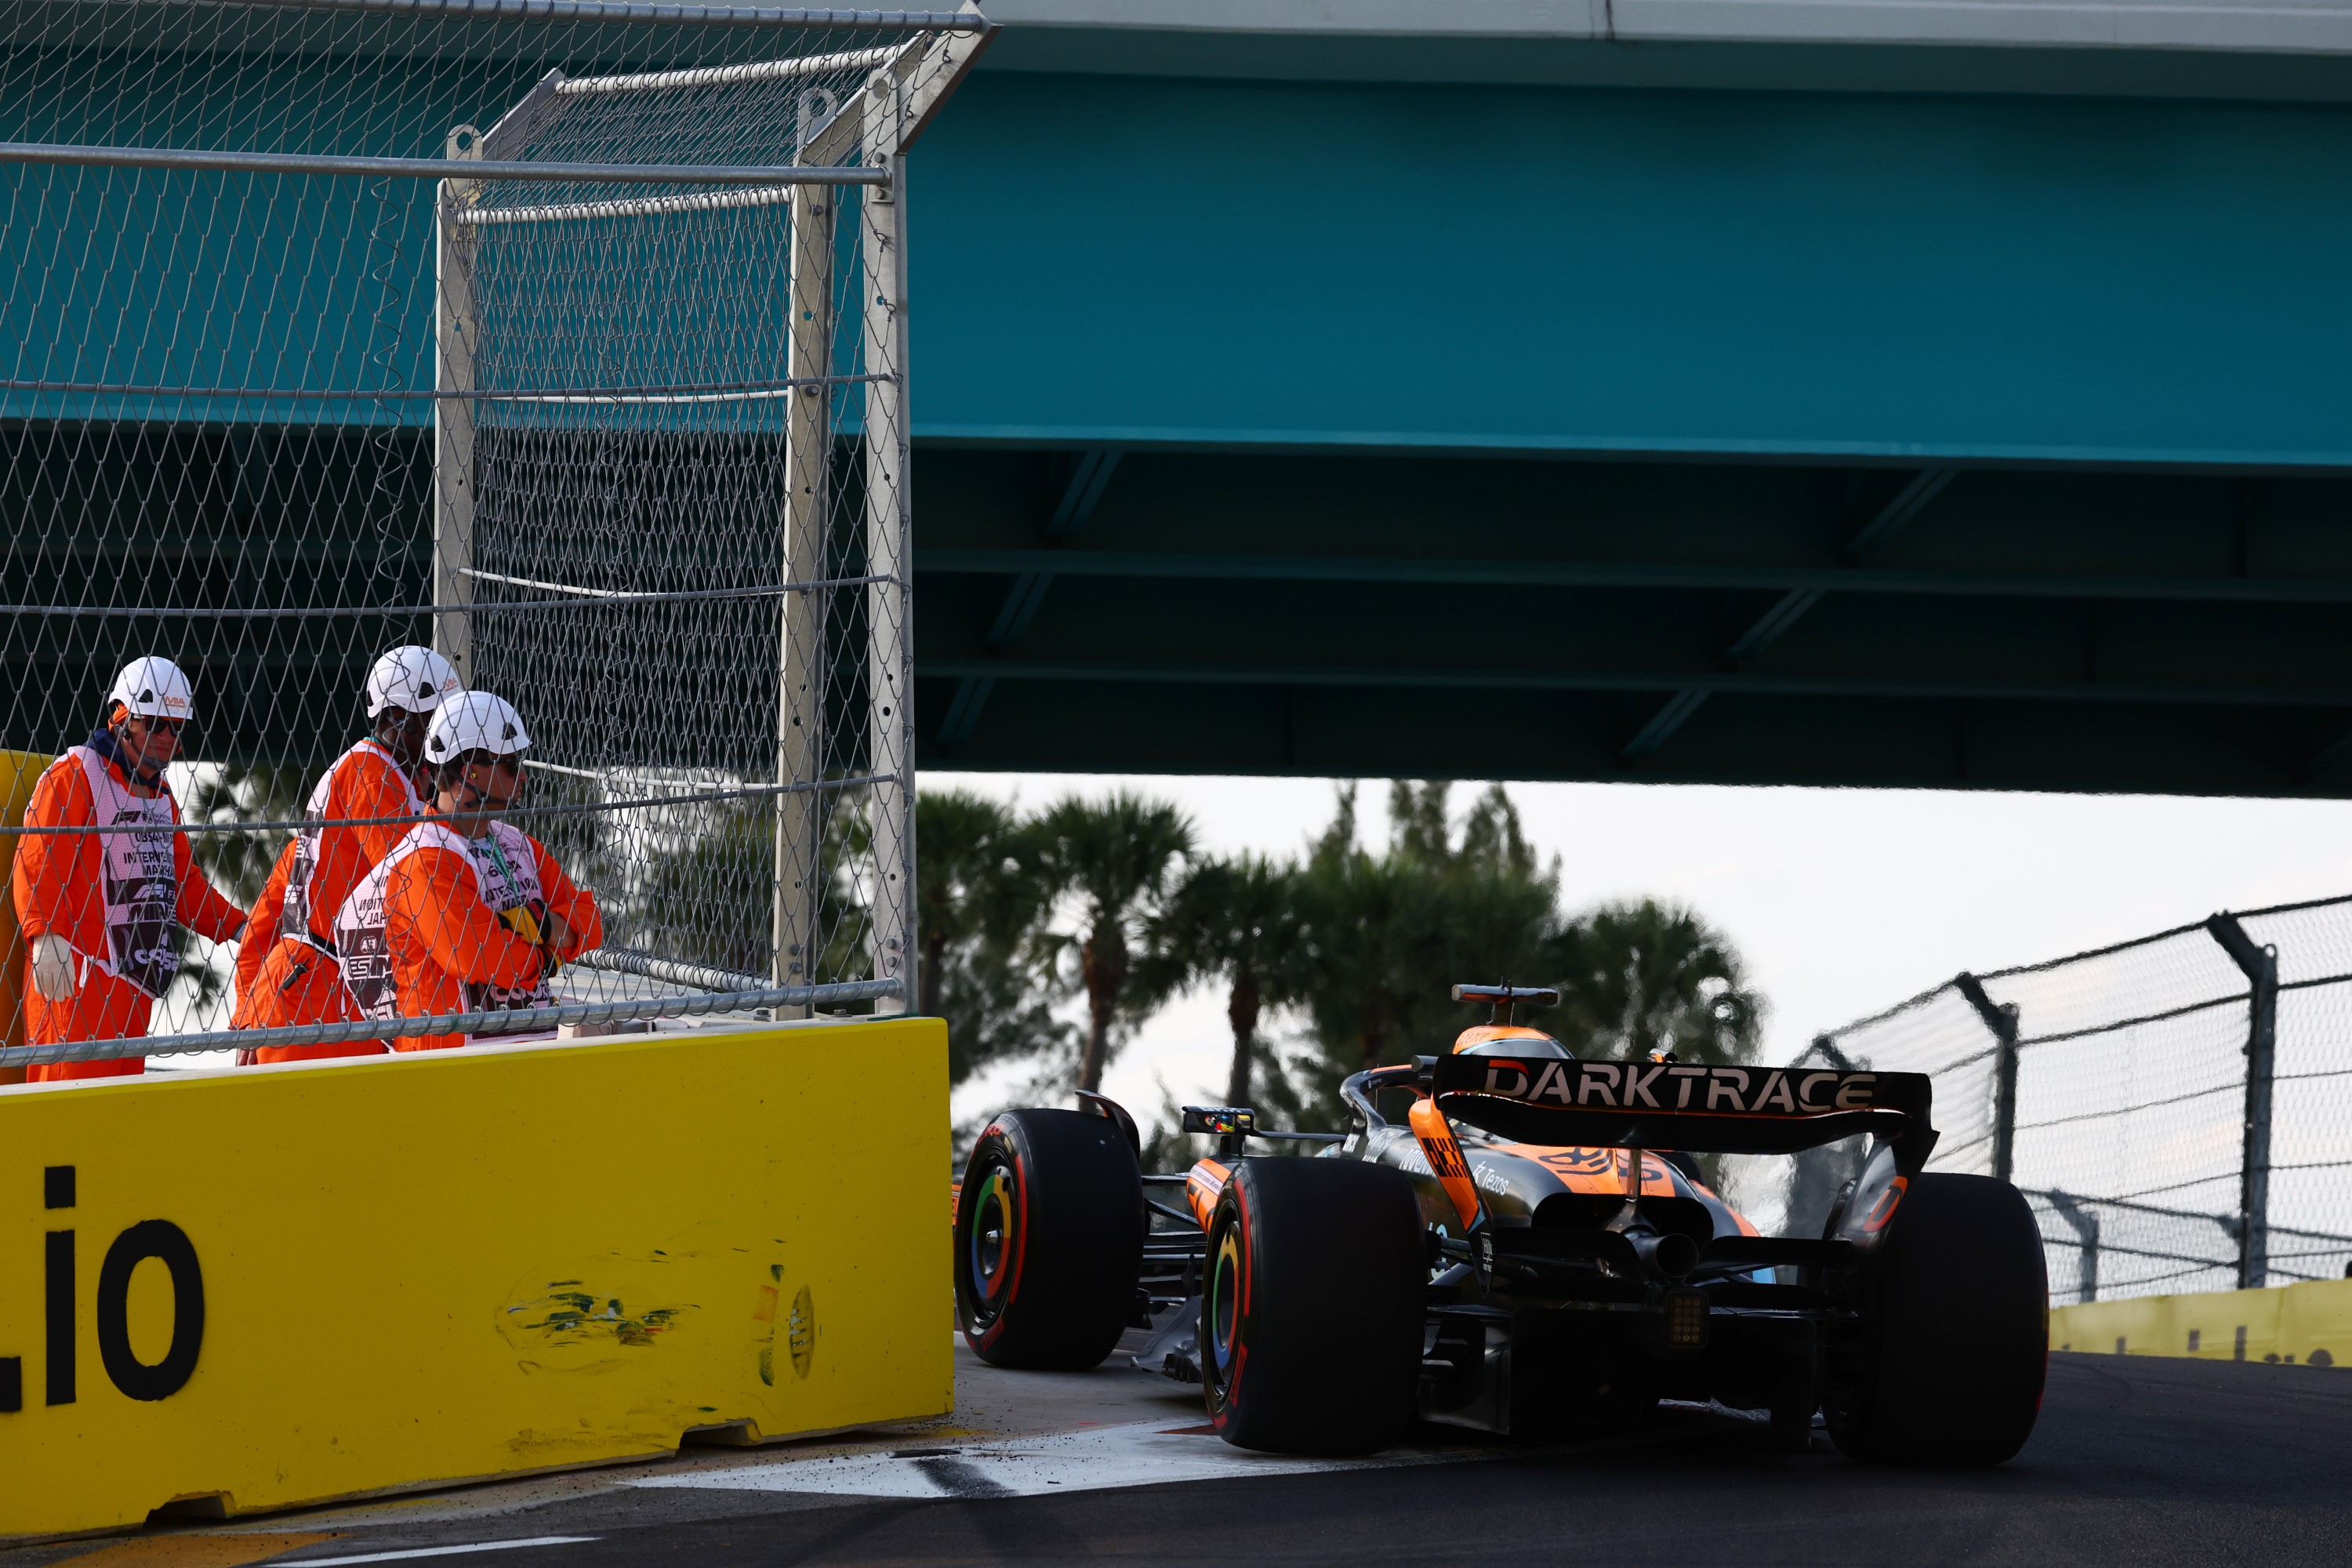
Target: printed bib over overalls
[509,876]
[295,919]
[139,878]
[505,874]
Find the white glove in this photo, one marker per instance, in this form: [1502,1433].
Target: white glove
[55,967]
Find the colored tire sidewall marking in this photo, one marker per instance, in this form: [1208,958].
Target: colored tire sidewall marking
[992,1266]
[1227,1311]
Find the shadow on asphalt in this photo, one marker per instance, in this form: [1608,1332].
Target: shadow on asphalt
[2141,1461]
[2136,1460]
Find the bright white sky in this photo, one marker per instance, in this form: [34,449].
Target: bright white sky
[1840,902]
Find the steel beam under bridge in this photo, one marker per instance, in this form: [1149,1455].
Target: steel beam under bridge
[1980,428]
[1367,614]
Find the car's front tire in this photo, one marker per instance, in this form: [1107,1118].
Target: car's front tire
[1949,1363]
[1048,1240]
[1311,1306]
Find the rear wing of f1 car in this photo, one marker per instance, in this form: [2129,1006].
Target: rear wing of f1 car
[1671,1105]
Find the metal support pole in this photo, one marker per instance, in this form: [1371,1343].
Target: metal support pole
[898,102]
[800,643]
[2085,1223]
[2259,966]
[889,688]
[2001,1019]
[495,1022]
[455,327]
[662,14]
[74,155]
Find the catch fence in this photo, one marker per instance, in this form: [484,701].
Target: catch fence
[2177,1108]
[568,338]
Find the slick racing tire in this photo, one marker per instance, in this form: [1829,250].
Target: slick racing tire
[1948,1366]
[1048,1240]
[1311,1306]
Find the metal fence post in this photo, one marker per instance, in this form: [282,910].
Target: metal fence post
[801,741]
[1816,1176]
[889,719]
[456,332]
[2001,1019]
[2260,966]
[2085,1223]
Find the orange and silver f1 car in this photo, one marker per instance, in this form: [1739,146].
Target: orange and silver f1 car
[1533,1248]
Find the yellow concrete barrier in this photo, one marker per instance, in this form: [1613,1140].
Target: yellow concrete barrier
[251,1288]
[2308,1325]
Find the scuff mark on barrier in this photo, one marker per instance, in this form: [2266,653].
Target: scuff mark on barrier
[581,1317]
[763,1311]
[589,1319]
[800,1333]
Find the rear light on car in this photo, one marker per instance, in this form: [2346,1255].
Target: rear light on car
[1686,1320]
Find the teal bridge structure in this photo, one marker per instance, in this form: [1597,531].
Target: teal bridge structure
[1942,395]
[1738,391]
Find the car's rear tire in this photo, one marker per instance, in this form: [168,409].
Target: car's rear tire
[1048,1240]
[1948,1366]
[1311,1306]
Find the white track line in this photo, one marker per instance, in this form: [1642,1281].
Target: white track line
[439,1550]
[1138,1454]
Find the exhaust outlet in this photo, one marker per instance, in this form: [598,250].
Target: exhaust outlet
[1673,1254]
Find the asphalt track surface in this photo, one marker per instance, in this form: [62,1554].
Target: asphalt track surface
[2136,1460]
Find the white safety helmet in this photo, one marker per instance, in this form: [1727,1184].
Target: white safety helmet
[475,721]
[413,677]
[154,687]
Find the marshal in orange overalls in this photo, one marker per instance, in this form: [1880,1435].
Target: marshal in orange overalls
[446,924]
[287,972]
[61,883]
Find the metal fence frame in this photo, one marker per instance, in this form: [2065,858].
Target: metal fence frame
[2248,1233]
[858,138]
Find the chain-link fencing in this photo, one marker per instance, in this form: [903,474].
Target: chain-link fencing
[568,339]
[2177,1108]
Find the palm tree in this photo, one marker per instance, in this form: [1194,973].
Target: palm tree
[1389,934]
[708,894]
[236,863]
[709,899]
[980,902]
[975,882]
[1638,978]
[1239,921]
[1369,917]
[240,863]
[1115,856]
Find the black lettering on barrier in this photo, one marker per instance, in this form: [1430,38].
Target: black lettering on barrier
[57,1291]
[12,1384]
[167,1243]
[58,1187]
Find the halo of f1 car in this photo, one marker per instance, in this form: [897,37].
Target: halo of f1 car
[1531,1251]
